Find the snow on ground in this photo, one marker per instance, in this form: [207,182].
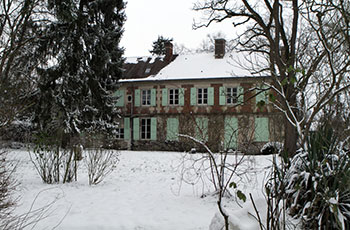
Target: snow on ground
[144,192]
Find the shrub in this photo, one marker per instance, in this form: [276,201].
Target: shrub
[271,148]
[7,187]
[318,183]
[53,163]
[100,162]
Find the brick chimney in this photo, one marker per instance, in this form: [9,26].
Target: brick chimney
[168,51]
[220,48]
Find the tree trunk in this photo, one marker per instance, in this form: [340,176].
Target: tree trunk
[290,139]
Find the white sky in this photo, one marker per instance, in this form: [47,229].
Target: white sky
[146,19]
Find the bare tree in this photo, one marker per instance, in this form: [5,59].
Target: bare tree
[224,170]
[220,169]
[302,45]
[20,32]
[208,44]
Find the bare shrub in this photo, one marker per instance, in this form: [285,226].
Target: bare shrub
[8,184]
[7,187]
[55,164]
[47,160]
[220,168]
[69,165]
[31,218]
[100,163]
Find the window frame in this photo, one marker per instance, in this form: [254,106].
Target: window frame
[120,133]
[174,95]
[146,97]
[202,96]
[145,128]
[231,99]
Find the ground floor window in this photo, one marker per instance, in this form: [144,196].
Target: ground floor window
[120,133]
[201,131]
[231,132]
[146,128]
[262,133]
[172,129]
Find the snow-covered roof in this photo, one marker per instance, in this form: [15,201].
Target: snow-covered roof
[135,60]
[201,66]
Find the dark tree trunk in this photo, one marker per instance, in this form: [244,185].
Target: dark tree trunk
[290,140]
[291,134]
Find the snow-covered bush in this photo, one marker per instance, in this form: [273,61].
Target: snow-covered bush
[100,162]
[271,148]
[318,183]
[19,131]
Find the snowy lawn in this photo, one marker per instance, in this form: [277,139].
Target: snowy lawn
[144,192]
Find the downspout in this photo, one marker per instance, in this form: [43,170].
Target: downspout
[131,118]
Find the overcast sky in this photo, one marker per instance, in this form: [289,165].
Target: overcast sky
[146,19]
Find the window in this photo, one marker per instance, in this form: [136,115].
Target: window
[146,96]
[119,94]
[173,96]
[262,133]
[201,131]
[145,128]
[231,95]
[172,129]
[148,70]
[231,132]
[120,133]
[202,96]
[262,96]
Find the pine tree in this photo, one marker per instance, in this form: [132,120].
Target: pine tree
[75,90]
[158,47]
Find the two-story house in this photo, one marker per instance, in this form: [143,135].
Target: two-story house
[205,95]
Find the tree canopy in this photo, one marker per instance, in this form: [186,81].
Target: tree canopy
[158,47]
[68,55]
[302,45]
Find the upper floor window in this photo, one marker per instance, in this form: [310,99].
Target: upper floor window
[231,95]
[146,96]
[173,96]
[202,96]
[146,128]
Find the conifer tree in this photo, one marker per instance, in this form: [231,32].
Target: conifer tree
[158,47]
[75,90]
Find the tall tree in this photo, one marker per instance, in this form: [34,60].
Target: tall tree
[84,59]
[158,46]
[302,44]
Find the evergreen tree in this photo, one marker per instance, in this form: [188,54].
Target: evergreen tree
[75,89]
[158,47]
